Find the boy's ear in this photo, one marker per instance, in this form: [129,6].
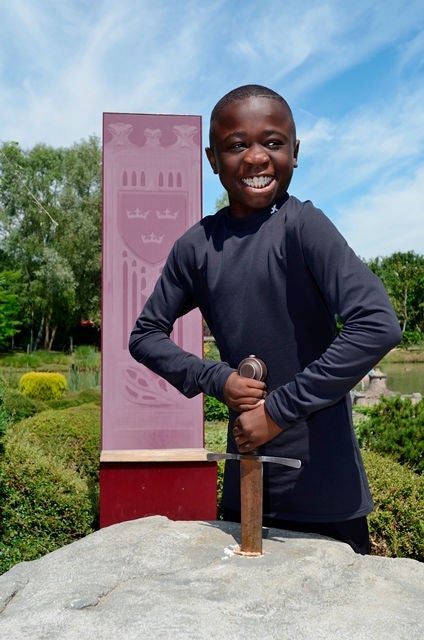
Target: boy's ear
[211,157]
[296,153]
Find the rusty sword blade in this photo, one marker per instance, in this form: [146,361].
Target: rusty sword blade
[251,489]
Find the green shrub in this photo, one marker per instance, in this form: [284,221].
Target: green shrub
[397,523]
[42,385]
[19,406]
[49,482]
[4,417]
[71,436]
[395,427]
[216,440]
[77,398]
[44,504]
[211,351]
[215,411]
[410,338]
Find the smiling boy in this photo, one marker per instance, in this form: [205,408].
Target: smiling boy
[271,275]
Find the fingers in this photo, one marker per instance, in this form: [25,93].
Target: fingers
[249,407]
[243,394]
[241,438]
[254,428]
[242,442]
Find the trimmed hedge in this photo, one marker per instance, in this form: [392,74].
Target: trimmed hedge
[395,427]
[397,522]
[20,407]
[70,436]
[48,482]
[42,385]
[44,504]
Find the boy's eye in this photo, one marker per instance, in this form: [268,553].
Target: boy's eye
[237,146]
[272,144]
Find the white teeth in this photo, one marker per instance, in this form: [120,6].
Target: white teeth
[257,182]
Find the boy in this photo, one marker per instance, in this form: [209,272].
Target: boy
[271,275]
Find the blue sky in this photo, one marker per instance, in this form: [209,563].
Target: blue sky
[352,72]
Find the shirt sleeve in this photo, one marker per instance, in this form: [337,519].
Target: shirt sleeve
[150,342]
[355,295]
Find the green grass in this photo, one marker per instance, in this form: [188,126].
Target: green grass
[413,354]
[84,357]
[216,436]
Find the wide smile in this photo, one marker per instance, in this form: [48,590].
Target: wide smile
[258,182]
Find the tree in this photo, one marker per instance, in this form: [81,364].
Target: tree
[79,236]
[53,295]
[9,306]
[222,201]
[50,228]
[403,276]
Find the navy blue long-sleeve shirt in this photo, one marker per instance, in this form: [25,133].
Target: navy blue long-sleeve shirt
[273,284]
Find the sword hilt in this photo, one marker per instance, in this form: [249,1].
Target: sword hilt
[253,367]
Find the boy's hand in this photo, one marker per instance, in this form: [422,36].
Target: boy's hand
[243,394]
[254,428]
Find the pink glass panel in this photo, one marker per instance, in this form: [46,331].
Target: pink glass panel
[151,195]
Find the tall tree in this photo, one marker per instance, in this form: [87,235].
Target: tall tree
[9,307]
[403,276]
[79,230]
[50,227]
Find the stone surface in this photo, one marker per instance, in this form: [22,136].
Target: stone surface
[155,578]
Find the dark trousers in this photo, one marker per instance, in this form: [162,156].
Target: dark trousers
[353,532]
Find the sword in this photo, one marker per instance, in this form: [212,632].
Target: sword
[251,495]
[251,478]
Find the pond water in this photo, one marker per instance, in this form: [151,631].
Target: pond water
[404,377]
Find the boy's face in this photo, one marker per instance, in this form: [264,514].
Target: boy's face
[254,151]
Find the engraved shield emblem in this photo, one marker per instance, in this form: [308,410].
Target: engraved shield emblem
[149,223]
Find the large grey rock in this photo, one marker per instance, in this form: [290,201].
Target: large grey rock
[155,578]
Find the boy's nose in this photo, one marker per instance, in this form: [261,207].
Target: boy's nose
[256,155]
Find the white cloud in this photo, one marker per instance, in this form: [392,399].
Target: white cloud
[368,146]
[383,222]
[315,133]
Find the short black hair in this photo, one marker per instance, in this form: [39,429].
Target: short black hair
[243,92]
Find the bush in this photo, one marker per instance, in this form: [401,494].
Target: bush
[397,523]
[49,482]
[77,398]
[216,440]
[42,385]
[71,436]
[215,411]
[410,338]
[4,418]
[44,504]
[395,427]
[19,406]
[211,351]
